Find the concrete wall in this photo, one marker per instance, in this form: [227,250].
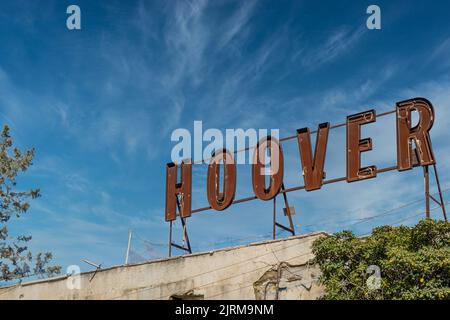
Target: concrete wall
[261,270]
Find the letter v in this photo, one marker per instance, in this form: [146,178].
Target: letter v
[312,169]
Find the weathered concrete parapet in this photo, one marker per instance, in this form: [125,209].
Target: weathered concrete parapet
[264,270]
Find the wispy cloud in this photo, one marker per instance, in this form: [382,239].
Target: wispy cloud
[337,43]
[236,22]
[441,53]
[101,114]
[186,39]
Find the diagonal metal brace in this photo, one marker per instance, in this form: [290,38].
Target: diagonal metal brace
[288,212]
[186,248]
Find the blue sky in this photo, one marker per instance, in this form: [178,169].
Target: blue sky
[99,105]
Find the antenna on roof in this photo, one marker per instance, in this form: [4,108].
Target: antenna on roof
[128,247]
[97,267]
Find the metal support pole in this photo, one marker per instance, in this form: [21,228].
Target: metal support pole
[441,197]
[288,213]
[170,240]
[427,190]
[274,216]
[185,235]
[288,210]
[183,223]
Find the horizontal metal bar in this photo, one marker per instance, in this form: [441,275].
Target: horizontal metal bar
[387,169]
[294,189]
[334,126]
[294,137]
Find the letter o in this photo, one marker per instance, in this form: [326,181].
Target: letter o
[276,169]
[221,200]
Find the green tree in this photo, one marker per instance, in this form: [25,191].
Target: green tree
[414,262]
[16,260]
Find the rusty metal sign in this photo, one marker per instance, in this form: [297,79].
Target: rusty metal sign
[221,200]
[413,149]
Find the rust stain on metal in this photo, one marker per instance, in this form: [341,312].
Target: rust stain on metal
[221,200]
[313,168]
[259,167]
[356,145]
[178,194]
[419,134]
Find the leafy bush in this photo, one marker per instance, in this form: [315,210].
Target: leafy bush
[414,262]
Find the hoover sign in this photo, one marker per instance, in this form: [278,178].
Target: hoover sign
[414,148]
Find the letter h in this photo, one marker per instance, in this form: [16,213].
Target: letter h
[178,195]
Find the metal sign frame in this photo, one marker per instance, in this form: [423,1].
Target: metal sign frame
[178,194]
